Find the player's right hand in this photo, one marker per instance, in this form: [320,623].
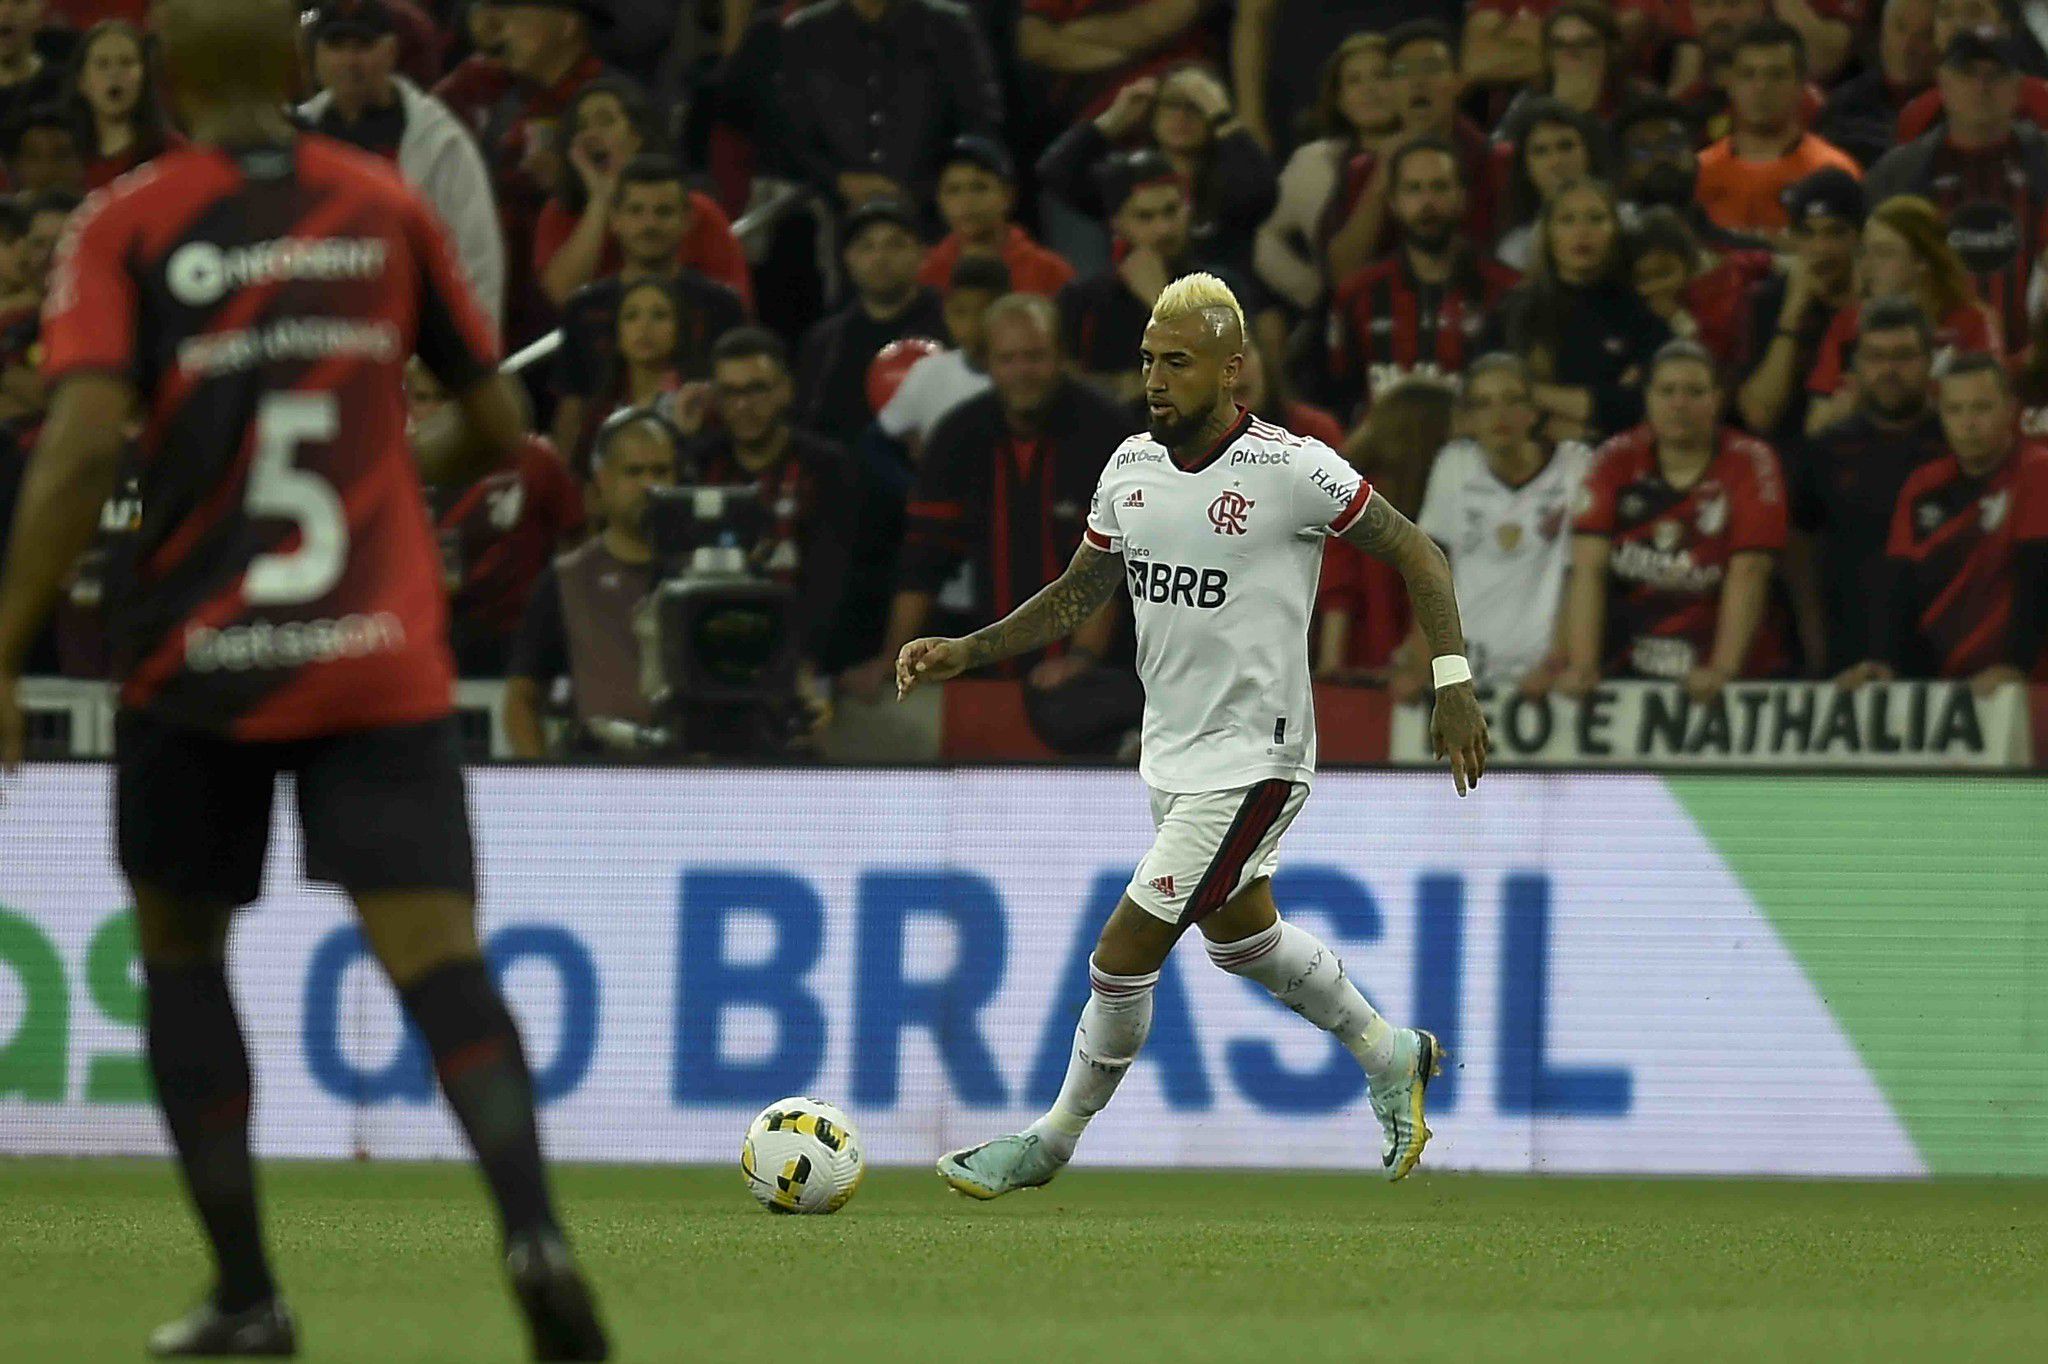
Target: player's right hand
[928,660]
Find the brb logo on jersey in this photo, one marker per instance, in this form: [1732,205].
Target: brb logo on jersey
[1227,513]
[1177,585]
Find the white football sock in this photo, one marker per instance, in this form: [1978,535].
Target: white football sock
[1308,978]
[1114,1022]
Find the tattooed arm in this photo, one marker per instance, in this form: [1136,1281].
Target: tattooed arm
[1456,727]
[1061,608]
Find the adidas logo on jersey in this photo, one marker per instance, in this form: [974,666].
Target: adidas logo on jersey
[1164,885]
[1136,499]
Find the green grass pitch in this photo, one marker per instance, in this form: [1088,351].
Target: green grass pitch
[389,1264]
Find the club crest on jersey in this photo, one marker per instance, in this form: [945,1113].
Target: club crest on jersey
[1227,513]
[1507,535]
[1714,515]
[1991,511]
[1136,499]
[1666,535]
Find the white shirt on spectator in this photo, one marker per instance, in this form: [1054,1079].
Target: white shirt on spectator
[934,386]
[1509,549]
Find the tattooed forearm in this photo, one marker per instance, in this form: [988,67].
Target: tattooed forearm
[1056,612]
[1386,534]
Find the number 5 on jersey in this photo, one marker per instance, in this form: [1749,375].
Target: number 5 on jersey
[308,571]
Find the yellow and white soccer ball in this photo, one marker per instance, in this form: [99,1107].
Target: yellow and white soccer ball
[802,1155]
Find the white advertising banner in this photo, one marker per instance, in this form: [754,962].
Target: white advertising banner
[1891,725]
[683,947]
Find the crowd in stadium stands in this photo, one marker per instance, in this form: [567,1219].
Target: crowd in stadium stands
[889,261]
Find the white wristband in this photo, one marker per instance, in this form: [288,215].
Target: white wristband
[1450,669]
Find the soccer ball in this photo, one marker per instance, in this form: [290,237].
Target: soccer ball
[802,1155]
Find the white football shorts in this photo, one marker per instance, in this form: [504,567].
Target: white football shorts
[1210,845]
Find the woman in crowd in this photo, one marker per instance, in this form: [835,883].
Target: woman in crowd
[1578,321]
[113,102]
[1679,522]
[1585,64]
[1552,145]
[608,124]
[1905,254]
[1353,113]
[1187,117]
[643,371]
[1362,611]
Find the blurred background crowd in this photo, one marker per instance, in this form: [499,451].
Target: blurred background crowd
[884,265]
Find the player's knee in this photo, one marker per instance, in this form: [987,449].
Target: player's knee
[1246,913]
[171,930]
[413,932]
[1133,942]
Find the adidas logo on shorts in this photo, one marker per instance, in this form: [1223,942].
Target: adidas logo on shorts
[1164,885]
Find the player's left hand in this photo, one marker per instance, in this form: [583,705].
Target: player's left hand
[928,660]
[12,729]
[1458,731]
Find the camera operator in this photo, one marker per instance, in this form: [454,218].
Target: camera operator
[803,480]
[579,622]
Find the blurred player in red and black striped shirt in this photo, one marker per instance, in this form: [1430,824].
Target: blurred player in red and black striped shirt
[1967,596]
[249,302]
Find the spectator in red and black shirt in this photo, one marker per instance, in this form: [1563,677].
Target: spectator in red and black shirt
[1002,497]
[1985,170]
[497,535]
[1967,594]
[26,80]
[1844,485]
[1422,308]
[1695,292]
[115,110]
[1423,62]
[649,223]
[803,479]
[1676,530]
[1079,53]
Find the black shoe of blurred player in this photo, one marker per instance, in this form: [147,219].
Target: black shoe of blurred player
[561,1316]
[263,1331]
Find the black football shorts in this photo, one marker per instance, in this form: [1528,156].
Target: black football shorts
[381,809]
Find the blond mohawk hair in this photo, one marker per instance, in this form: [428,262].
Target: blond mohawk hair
[1199,293]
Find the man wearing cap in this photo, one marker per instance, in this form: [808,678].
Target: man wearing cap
[1985,169]
[364,102]
[513,104]
[1789,314]
[1743,177]
[874,91]
[1952,17]
[977,193]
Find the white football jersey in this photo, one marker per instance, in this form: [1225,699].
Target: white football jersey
[1510,549]
[1221,558]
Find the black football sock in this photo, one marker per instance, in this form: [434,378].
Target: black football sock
[459,1011]
[201,1069]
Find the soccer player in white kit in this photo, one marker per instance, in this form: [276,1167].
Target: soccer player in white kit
[1215,521]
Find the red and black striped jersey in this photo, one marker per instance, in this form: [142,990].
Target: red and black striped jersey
[284,581]
[1994,202]
[1954,538]
[1385,323]
[1671,549]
